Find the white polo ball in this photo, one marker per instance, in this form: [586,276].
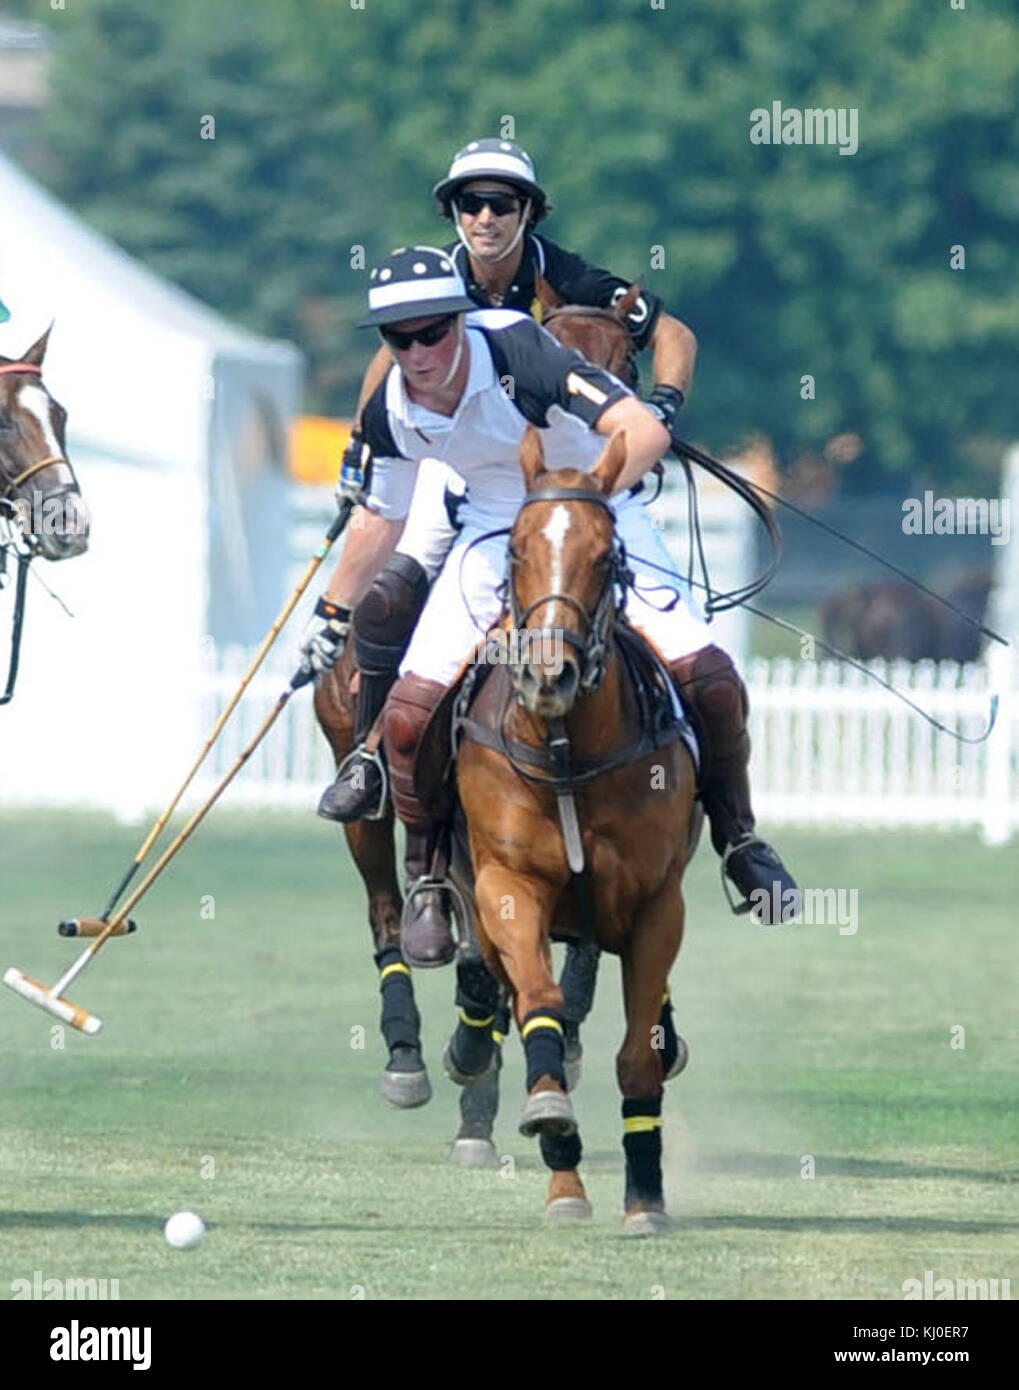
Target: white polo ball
[184,1230]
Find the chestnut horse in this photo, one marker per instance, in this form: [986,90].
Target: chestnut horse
[41,509]
[603,337]
[37,482]
[634,817]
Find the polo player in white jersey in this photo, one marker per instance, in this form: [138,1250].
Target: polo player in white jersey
[465,385]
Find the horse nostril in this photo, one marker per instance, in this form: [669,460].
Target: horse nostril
[565,680]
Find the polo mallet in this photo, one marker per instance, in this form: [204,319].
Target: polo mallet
[120,924]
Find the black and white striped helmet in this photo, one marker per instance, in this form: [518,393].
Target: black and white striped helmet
[494,159]
[413,282]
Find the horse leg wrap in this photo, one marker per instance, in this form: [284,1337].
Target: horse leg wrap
[479,1104]
[383,623]
[401,1022]
[577,982]
[477,990]
[716,700]
[560,1152]
[408,709]
[642,1145]
[542,1032]
[670,1044]
[477,998]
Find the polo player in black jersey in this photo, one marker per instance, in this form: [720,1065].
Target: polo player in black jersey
[497,254]
[493,199]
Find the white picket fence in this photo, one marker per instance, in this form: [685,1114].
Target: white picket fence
[831,748]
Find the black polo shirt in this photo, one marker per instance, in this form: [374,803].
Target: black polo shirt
[570,276]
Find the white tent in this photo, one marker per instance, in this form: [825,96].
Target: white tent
[178,423]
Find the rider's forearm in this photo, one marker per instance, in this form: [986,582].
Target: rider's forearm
[646,438]
[371,540]
[675,353]
[377,369]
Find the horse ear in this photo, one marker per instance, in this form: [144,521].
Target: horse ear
[37,351]
[546,296]
[532,456]
[628,303]
[610,465]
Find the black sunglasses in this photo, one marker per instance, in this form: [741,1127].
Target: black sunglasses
[428,336]
[502,204]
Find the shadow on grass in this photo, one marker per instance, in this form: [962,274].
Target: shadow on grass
[41,1220]
[782,1165]
[846,1225]
[141,1221]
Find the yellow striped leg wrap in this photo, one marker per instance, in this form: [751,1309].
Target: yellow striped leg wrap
[397,968]
[541,1021]
[475,1022]
[641,1124]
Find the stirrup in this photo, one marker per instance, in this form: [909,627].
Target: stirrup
[739,909]
[458,908]
[361,753]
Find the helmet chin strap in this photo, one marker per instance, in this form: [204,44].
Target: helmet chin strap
[488,257]
[461,333]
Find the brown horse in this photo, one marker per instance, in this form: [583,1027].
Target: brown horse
[41,510]
[633,817]
[896,621]
[601,335]
[37,482]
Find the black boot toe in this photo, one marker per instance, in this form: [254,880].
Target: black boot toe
[357,793]
[769,890]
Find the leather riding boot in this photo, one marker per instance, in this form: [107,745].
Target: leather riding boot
[359,791]
[426,929]
[383,623]
[716,700]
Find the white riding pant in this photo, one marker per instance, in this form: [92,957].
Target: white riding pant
[464,602]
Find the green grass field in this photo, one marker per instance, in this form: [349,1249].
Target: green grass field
[230,1040]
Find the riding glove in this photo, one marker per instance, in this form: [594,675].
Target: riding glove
[355,471]
[325,637]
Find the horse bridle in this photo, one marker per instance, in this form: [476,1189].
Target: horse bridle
[9,486]
[26,549]
[592,650]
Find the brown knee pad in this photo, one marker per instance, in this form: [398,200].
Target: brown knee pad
[387,615]
[408,710]
[716,700]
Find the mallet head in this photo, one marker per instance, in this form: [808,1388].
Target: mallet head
[39,995]
[94,926]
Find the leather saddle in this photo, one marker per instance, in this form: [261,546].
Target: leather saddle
[661,721]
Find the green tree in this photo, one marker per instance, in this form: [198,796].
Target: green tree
[332,124]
